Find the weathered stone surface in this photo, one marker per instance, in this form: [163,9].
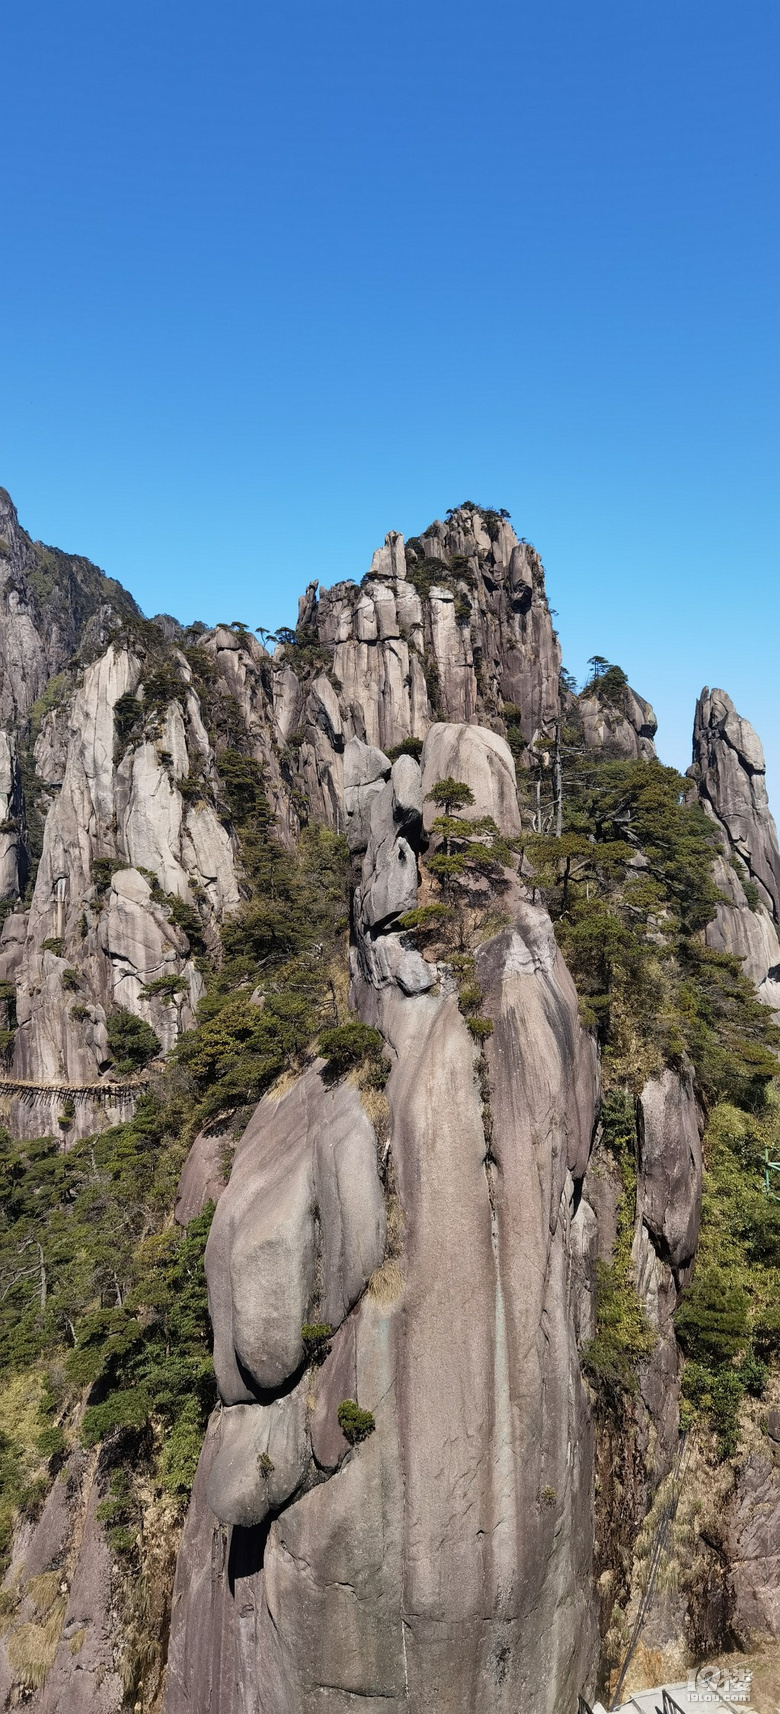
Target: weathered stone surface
[202,1176]
[262,1458]
[628,729]
[483,761]
[390,864]
[729,772]
[429,1569]
[266,1257]
[126,808]
[484,628]
[444,1563]
[754,1547]
[336,1379]
[51,604]
[366,770]
[670,1165]
[67,1540]
[749,935]
[13,855]
[204,1656]
[658,1402]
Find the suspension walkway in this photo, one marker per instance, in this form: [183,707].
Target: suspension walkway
[110,1089]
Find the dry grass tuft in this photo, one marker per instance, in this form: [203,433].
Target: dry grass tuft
[31,1648]
[376,1105]
[386,1283]
[282,1086]
[44,1589]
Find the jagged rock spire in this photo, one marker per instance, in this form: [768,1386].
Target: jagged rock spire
[730,772]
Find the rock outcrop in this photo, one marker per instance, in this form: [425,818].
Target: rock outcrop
[123,847]
[625,725]
[730,775]
[670,1167]
[444,1562]
[399,1493]
[452,627]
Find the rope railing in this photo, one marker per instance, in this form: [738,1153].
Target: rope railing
[105,1091]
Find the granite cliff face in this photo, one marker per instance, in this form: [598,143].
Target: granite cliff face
[429,1249]
[730,774]
[426,1566]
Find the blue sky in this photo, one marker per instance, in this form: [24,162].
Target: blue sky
[276,280]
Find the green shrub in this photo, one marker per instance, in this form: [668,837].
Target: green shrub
[407,747]
[187,920]
[450,794]
[623,1336]
[424,919]
[316,1336]
[70,979]
[712,1322]
[164,988]
[355,1424]
[132,1042]
[103,868]
[128,713]
[162,687]
[54,944]
[79,1013]
[243,784]
[347,1045]
[121,1540]
[480,1028]
[51,1441]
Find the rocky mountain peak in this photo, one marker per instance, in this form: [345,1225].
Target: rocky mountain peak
[384,941]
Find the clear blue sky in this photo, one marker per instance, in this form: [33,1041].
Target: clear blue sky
[277,279]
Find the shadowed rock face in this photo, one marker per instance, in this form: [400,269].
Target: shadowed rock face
[444,1562]
[729,771]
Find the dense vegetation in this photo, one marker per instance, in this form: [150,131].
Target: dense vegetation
[629,885]
[102,1297]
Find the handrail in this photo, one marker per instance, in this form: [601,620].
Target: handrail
[659,1544]
[95,1091]
[771,1167]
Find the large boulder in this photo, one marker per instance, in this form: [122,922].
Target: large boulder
[480,758]
[295,1236]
